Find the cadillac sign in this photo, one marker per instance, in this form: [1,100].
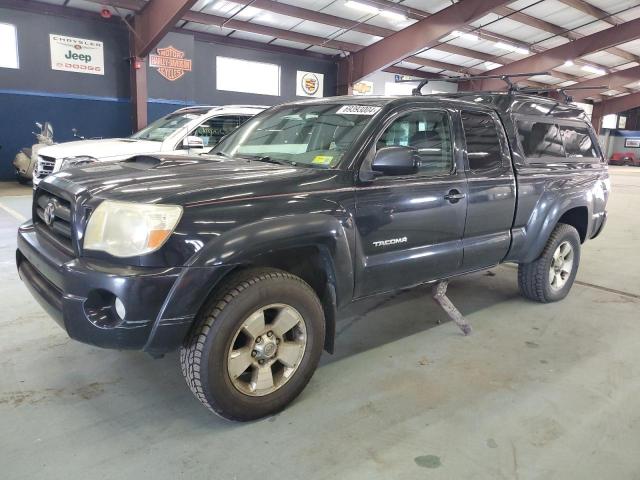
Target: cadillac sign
[170,62]
[309,84]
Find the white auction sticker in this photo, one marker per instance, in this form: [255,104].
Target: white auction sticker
[358,110]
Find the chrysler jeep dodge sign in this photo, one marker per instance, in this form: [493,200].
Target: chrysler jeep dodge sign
[78,55]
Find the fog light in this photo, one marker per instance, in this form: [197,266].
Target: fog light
[120,310]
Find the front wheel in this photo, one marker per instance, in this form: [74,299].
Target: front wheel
[550,277]
[256,346]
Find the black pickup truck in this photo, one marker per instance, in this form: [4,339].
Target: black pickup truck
[243,259]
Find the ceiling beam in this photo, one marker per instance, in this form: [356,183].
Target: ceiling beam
[155,20]
[556,56]
[413,39]
[613,81]
[217,21]
[593,11]
[549,27]
[618,104]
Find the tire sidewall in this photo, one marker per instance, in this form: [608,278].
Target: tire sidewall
[217,386]
[569,234]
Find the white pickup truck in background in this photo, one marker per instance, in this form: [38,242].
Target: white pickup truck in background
[186,131]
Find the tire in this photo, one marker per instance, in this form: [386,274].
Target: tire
[544,280]
[207,356]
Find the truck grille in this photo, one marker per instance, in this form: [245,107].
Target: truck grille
[46,166]
[53,219]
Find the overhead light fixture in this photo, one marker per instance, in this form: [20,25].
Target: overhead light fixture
[512,48]
[393,15]
[569,63]
[469,36]
[592,69]
[365,7]
[492,65]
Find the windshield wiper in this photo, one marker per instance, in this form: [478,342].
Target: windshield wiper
[267,159]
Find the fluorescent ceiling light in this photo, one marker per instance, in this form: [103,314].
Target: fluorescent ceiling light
[569,63]
[365,7]
[492,65]
[468,36]
[592,69]
[362,6]
[512,48]
[393,15]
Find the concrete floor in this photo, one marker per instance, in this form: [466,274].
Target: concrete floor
[537,392]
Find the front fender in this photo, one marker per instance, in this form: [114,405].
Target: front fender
[332,236]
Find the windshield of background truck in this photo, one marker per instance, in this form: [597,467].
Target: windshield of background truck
[159,130]
[310,135]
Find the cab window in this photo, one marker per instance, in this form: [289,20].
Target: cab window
[484,150]
[428,132]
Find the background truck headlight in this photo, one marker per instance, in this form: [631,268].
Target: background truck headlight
[125,229]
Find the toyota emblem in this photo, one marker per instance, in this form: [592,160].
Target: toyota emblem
[49,213]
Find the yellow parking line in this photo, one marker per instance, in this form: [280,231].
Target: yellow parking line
[13,213]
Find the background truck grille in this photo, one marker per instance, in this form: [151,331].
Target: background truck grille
[45,166]
[56,222]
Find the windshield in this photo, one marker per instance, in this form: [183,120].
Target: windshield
[310,135]
[159,130]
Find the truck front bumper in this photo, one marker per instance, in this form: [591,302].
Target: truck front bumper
[111,306]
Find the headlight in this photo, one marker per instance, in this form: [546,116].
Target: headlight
[76,161]
[125,229]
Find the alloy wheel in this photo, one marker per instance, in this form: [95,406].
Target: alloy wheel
[267,349]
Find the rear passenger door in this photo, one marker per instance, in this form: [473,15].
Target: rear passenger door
[492,190]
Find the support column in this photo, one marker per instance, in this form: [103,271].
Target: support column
[596,116]
[138,82]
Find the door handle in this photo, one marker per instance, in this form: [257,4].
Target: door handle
[454,196]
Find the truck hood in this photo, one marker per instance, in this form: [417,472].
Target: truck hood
[190,181]
[104,149]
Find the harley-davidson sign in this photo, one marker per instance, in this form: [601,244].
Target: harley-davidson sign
[170,62]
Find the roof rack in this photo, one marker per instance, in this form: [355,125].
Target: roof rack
[505,78]
[561,90]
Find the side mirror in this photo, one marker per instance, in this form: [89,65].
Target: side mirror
[193,142]
[396,160]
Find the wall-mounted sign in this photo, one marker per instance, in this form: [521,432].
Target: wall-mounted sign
[80,55]
[632,143]
[309,84]
[170,62]
[363,88]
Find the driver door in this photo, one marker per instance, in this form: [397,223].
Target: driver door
[410,227]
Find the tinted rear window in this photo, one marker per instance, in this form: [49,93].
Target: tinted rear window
[578,142]
[540,139]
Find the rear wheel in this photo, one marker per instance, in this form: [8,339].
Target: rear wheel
[551,276]
[257,345]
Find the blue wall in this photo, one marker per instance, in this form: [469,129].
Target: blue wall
[97,105]
[91,116]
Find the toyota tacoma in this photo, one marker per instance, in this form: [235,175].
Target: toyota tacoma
[243,259]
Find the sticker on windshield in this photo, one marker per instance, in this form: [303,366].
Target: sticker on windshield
[322,160]
[358,110]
